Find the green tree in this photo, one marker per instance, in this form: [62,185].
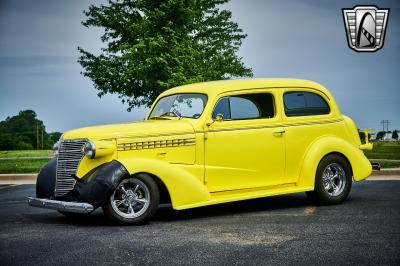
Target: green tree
[395,135]
[380,135]
[22,131]
[54,136]
[153,45]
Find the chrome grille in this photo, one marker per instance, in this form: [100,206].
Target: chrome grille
[70,155]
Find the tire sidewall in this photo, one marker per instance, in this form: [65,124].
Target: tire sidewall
[322,195]
[146,216]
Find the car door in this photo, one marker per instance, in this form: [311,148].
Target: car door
[245,149]
[307,116]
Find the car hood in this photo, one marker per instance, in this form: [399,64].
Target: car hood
[146,128]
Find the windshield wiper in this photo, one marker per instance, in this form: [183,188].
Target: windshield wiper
[173,113]
[160,117]
[167,115]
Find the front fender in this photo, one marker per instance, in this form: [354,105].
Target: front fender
[183,188]
[46,180]
[360,165]
[97,186]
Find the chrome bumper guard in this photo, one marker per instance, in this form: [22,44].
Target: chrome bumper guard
[65,206]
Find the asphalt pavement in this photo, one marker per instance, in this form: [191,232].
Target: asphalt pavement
[282,230]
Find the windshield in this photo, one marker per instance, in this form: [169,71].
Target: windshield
[189,105]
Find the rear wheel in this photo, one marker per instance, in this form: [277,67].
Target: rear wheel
[134,201]
[333,181]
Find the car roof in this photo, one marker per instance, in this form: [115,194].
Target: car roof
[212,88]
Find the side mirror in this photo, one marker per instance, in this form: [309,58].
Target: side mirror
[218,118]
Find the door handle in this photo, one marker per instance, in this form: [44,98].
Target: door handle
[279,131]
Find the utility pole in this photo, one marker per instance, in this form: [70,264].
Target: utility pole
[37,135]
[42,136]
[385,124]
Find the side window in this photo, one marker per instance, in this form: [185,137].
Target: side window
[242,108]
[222,108]
[304,103]
[246,106]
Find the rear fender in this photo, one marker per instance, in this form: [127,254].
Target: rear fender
[359,164]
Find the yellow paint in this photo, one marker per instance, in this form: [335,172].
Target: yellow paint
[202,162]
[105,152]
[367,145]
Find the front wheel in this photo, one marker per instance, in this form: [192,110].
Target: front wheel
[134,201]
[332,181]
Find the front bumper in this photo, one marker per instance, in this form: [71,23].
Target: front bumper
[65,206]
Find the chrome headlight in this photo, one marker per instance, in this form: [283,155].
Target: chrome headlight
[56,147]
[89,150]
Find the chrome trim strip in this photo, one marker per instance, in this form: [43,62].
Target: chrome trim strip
[277,125]
[65,206]
[141,145]
[313,122]
[156,135]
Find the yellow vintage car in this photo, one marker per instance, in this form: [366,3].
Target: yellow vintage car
[209,143]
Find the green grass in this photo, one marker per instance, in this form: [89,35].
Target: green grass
[15,166]
[25,153]
[386,164]
[385,150]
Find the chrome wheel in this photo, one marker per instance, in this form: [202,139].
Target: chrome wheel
[334,179]
[131,198]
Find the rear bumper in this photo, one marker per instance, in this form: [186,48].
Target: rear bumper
[376,166]
[65,206]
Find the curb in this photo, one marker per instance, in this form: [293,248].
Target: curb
[18,179]
[387,171]
[26,158]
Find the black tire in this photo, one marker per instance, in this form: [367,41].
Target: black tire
[120,215]
[331,164]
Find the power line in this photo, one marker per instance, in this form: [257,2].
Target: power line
[42,137]
[37,136]
[385,124]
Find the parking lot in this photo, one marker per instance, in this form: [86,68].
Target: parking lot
[276,230]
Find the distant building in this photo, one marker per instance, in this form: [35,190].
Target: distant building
[383,136]
[372,136]
[387,136]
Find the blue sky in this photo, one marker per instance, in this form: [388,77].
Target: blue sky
[299,39]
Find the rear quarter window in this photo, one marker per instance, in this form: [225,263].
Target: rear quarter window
[300,103]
